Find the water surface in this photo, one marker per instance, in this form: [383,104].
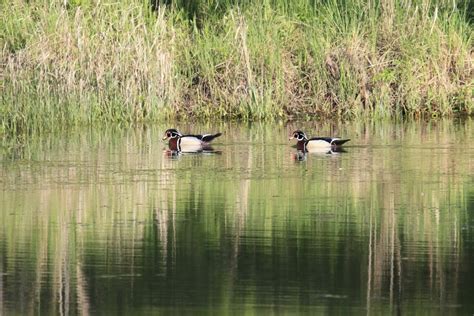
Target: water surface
[107,221]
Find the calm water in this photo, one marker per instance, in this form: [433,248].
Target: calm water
[107,222]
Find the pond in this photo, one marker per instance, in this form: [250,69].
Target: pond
[107,221]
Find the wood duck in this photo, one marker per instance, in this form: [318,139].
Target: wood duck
[188,143]
[316,143]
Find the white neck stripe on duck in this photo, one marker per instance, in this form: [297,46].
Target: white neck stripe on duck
[300,136]
[173,133]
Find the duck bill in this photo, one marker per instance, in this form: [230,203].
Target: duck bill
[290,138]
[164,137]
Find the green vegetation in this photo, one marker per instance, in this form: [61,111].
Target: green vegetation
[84,62]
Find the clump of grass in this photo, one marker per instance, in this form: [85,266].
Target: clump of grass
[81,62]
[111,62]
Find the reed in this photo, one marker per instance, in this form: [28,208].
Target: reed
[87,62]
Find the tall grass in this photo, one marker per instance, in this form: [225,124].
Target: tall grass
[82,61]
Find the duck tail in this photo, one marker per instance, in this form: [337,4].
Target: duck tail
[209,137]
[339,142]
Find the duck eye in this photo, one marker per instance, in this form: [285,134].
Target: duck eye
[168,134]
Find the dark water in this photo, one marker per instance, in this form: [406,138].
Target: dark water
[107,222]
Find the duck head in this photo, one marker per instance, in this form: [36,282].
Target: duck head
[298,135]
[171,133]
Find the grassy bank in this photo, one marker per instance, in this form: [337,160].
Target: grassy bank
[131,61]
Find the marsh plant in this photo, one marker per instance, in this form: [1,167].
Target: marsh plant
[83,61]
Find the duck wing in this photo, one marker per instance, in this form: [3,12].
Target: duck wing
[326,139]
[209,137]
[339,142]
[331,140]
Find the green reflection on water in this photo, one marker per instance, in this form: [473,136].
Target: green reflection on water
[106,221]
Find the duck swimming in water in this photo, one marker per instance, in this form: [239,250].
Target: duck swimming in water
[316,143]
[188,143]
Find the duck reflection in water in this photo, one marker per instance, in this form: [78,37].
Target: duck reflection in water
[301,155]
[176,154]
